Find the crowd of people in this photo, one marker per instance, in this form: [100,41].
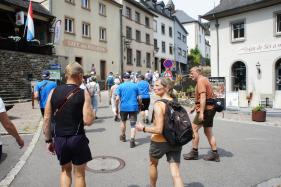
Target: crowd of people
[69,107]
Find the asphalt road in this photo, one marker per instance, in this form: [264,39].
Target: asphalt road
[250,154]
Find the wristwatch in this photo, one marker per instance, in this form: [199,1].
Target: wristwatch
[49,141]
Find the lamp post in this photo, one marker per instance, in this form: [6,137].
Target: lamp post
[258,68]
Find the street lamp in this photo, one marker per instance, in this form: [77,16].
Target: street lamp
[258,68]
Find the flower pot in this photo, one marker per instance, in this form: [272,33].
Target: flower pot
[259,116]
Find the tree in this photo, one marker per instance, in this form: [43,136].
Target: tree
[195,57]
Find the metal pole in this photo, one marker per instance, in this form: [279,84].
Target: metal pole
[218,47]
[121,44]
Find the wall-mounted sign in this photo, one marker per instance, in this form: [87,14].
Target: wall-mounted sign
[80,45]
[232,100]
[260,48]
[20,18]
[218,84]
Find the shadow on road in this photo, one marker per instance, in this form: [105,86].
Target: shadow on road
[95,130]
[193,184]
[222,152]
[104,117]
[141,141]
[103,107]
[3,157]
[13,117]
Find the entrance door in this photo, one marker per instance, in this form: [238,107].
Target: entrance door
[239,76]
[278,75]
[102,69]
[79,60]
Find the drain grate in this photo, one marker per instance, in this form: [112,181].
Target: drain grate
[105,164]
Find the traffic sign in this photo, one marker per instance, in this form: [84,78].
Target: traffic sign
[168,73]
[168,63]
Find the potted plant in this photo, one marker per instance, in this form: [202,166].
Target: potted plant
[259,114]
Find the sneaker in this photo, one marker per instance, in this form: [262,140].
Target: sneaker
[132,143]
[213,156]
[192,155]
[123,138]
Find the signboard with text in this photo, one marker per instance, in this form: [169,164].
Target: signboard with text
[218,84]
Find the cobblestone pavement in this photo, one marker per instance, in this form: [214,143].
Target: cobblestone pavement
[24,117]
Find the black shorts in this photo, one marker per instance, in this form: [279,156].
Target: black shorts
[208,118]
[73,149]
[158,149]
[132,116]
[145,104]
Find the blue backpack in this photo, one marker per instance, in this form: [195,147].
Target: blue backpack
[110,80]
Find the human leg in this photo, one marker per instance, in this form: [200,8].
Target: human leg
[79,175]
[153,173]
[65,175]
[124,116]
[193,154]
[213,156]
[133,121]
[175,172]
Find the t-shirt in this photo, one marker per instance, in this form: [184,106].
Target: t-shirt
[2,106]
[110,80]
[94,88]
[143,87]
[203,86]
[128,93]
[45,91]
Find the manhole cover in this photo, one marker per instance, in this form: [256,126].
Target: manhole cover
[105,164]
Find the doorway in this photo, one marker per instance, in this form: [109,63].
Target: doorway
[79,60]
[102,69]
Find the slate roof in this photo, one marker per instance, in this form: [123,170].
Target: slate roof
[141,6]
[184,17]
[36,7]
[232,7]
[154,9]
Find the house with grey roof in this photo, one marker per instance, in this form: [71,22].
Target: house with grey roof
[196,32]
[246,50]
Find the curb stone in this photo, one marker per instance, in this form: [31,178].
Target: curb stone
[14,171]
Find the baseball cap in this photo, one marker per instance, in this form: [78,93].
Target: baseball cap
[126,76]
[45,74]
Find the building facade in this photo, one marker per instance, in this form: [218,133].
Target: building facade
[90,33]
[137,37]
[246,46]
[163,26]
[196,32]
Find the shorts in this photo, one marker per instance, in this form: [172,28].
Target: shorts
[158,149]
[145,104]
[208,118]
[73,149]
[132,116]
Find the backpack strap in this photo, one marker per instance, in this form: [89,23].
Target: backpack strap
[166,101]
[40,89]
[66,99]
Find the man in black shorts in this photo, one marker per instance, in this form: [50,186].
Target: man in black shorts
[144,89]
[70,108]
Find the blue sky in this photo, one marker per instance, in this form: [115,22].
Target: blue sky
[194,7]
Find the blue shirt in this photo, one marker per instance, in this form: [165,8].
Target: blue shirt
[143,87]
[128,93]
[45,91]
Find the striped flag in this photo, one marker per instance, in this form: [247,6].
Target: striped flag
[29,23]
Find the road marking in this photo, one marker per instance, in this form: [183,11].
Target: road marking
[12,174]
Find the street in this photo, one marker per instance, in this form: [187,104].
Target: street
[250,154]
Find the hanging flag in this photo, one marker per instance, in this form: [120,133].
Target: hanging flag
[57,31]
[29,23]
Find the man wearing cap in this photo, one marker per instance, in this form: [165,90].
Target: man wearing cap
[42,90]
[129,98]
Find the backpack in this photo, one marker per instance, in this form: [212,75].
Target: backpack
[110,80]
[218,105]
[177,126]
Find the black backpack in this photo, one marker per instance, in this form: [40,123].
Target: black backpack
[177,126]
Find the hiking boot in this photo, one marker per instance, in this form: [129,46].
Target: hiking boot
[116,119]
[192,155]
[213,156]
[123,138]
[132,143]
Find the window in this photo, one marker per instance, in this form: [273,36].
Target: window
[179,35]
[238,31]
[102,34]
[128,13]
[85,4]
[129,56]
[184,38]
[179,51]
[171,32]
[171,50]
[163,47]
[86,30]
[163,28]
[184,53]
[69,25]
[138,55]
[156,45]
[148,60]
[128,32]
[138,36]
[147,24]
[102,9]
[147,39]
[278,24]
[154,25]
[137,17]
[70,1]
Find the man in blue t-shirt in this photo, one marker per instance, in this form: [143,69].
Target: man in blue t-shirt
[42,90]
[128,97]
[109,82]
[144,89]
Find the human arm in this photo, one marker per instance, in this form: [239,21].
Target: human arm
[158,120]
[10,128]
[88,114]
